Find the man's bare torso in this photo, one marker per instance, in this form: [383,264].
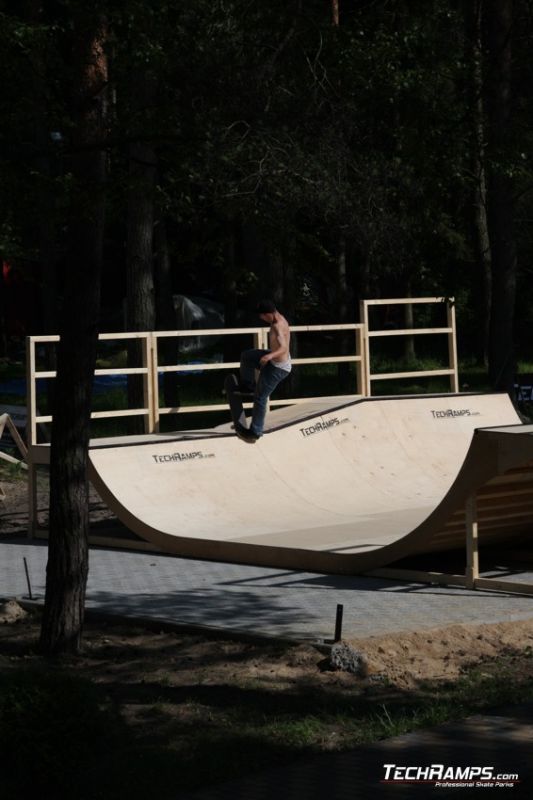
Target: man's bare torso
[279,337]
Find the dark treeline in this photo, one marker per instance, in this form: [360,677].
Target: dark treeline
[311,150]
[258,148]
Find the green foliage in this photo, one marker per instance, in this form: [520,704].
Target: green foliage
[264,115]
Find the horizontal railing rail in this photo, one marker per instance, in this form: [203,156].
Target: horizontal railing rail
[151,369]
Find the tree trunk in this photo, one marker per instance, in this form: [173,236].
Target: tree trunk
[341,295]
[474,49]
[498,19]
[276,278]
[165,313]
[140,302]
[409,322]
[335,12]
[140,275]
[67,569]
[230,344]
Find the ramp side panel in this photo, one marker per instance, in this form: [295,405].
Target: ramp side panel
[345,490]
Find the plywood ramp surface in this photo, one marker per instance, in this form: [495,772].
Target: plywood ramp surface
[342,489]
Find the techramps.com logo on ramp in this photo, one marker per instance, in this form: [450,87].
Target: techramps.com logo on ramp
[448,413]
[323,425]
[443,777]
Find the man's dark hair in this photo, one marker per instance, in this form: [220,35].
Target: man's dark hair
[266,307]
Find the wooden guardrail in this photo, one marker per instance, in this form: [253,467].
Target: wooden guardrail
[449,331]
[151,369]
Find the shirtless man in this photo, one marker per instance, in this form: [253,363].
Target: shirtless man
[274,365]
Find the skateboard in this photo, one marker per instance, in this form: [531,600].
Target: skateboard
[238,416]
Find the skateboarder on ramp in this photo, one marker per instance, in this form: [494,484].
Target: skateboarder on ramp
[274,365]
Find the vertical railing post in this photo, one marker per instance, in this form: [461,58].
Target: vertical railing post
[472,542]
[452,346]
[31,433]
[359,365]
[31,407]
[154,377]
[148,385]
[366,348]
[261,343]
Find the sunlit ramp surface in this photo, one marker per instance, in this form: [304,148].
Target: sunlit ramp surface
[334,489]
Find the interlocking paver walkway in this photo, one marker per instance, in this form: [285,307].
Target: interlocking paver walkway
[258,600]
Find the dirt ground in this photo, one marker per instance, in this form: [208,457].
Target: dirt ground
[403,659]
[404,662]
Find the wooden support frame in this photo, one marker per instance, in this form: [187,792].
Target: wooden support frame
[450,331]
[472,542]
[471,578]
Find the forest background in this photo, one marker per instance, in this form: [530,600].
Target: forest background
[315,151]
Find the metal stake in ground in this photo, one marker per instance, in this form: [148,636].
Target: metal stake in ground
[338,623]
[27,578]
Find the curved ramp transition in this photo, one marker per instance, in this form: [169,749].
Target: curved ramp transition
[341,489]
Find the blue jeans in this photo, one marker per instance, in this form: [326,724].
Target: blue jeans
[269,377]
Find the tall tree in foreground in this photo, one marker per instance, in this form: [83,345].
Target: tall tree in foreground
[67,569]
[500,194]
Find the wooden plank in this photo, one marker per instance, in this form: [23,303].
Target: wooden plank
[130,412]
[350,326]
[31,403]
[32,498]
[367,385]
[420,576]
[472,541]
[204,332]
[23,450]
[122,371]
[496,584]
[235,364]
[396,301]
[42,339]
[199,367]
[121,336]
[103,371]
[408,331]
[12,460]
[327,360]
[452,348]
[148,385]
[193,409]
[382,376]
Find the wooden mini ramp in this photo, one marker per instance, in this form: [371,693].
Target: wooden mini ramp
[330,488]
